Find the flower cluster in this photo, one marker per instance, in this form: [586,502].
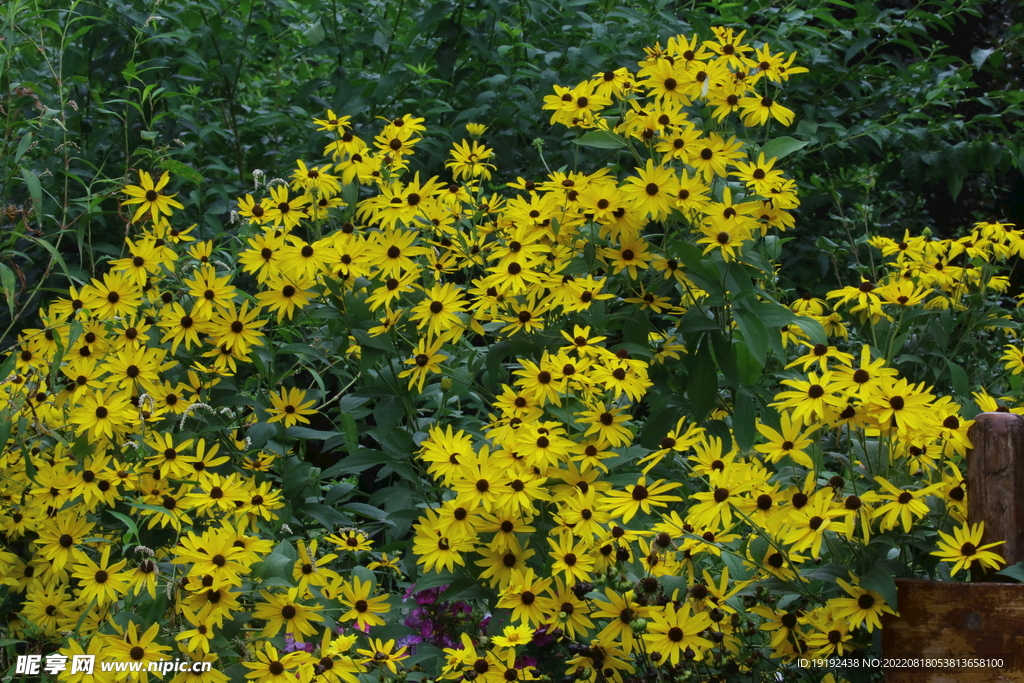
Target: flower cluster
[579,405]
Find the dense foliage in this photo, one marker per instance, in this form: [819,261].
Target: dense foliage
[506,375]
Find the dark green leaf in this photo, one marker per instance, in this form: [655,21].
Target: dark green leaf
[601,139]
[782,147]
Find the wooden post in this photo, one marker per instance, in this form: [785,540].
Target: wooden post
[995,481]
[981,620]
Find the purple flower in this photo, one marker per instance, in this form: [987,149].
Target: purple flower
[291,646]
[524,661]
[541,637]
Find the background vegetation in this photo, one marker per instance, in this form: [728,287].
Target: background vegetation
[911,112]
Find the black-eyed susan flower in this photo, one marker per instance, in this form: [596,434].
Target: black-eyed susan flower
[653,190]
[621,610]
[147,195]
[640,497]
[382,654]
[469,159]
[964,548]
[47,607]
[285,212]
[116,295]
[673,631]
[103,414]
[437,552]
[863,607]
[287,293]
[789,441]
[425,360]
[523,597]
[136,647]
[285,611]
[271,667]
[237,328]
[362,608]
[902,506]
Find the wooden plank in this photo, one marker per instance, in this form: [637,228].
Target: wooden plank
[942,619]
[995,482]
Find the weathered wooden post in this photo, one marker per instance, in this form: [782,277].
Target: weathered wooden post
[979,621]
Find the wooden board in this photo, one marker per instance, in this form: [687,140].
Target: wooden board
[946,620]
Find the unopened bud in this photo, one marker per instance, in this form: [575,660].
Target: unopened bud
[446,383]
[639,625]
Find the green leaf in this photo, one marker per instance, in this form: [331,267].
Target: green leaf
[348,424]
[782,147]
[702,385]
[56,257]
[1014,571]
[813,329]
[327,516]
[312,434]
[601,139]
[9,287]
[260,433]
[179,169]
[149,134]
[881,580]
[433,581]
[362,459]
[274,566]
[464,588]
[35,190]
[744,417]
[958,377]
[368,511]
[23,146]
[979,55]
[725,358]
[755,334]
[129,522]
[747,366]
[315,33]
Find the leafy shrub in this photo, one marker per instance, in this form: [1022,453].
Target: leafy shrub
[390,421]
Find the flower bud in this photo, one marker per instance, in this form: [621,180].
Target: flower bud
[639,625]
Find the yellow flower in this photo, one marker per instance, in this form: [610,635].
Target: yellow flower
[964,548]
[469,160]
[288,407]
[514,636]
[147,195]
